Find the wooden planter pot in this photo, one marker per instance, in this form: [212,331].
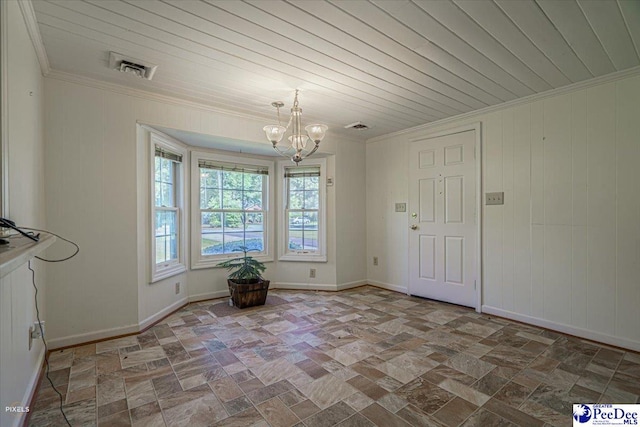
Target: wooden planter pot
[248,294]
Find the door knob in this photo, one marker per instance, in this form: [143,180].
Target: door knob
[414,227]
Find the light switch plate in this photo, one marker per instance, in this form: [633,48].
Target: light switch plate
[494,198]
[401,207]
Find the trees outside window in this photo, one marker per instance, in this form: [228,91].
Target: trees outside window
[233,207]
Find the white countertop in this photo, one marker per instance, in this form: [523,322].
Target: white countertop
[20,250]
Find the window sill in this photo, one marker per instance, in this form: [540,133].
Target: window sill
[303,258]
[168,272]
[213,263]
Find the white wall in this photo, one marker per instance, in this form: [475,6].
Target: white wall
[351,237]
[295,275]
[97,194]
[564,249]
[19,367]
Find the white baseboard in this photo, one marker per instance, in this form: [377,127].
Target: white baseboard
[123,330]
[162,313]
[209,295]
[388,286]
[304,286]
[350,285]
[567,329]
[92,336]
[114,332]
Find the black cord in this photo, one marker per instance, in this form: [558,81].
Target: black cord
[59,237]
[46,349]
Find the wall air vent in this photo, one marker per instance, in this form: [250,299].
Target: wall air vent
[132,66]
[357,126]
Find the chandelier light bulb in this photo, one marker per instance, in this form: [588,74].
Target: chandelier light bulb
[298,141]
[316,132]
[274,133]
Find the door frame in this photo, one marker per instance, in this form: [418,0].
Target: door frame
[477,127]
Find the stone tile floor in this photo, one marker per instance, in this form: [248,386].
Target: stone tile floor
[360,357]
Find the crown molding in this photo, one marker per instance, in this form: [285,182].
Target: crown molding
[608,78]
[168,99]
[29,15]
[145,94]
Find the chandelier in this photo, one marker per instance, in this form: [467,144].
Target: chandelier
[297,149]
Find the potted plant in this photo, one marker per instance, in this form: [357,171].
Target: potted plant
[246,285]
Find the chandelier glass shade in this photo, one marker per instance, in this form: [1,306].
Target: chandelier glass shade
[297,148]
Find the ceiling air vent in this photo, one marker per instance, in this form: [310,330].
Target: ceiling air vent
[357,126]
[136,67]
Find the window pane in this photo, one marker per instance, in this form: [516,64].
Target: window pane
[296,199]
[232,180]
[310,241]
[166,236]
[212,235]
[296,184]
[311,183]
[295,220]
[173,245]
[252,201]
[303,231]
[253,182]
[163,182]
[295,239]
[311,199]
[158,193]
[160,250]
[210,178]
[211,222]
[310,220]
[166,170]
[255,241]
[254,222]
[210,198]
[167,192]
[232,199]
[233,223]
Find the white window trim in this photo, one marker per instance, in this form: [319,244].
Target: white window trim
[173,268]
[283,253]
[198,261]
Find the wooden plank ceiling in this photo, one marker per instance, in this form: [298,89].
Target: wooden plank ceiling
[391,64]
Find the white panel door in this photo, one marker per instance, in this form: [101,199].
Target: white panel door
[442,218]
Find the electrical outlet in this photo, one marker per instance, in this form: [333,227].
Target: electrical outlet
[312,273]
[177,288]
[494,198]
[39,329]
[375,260]
[36,331]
